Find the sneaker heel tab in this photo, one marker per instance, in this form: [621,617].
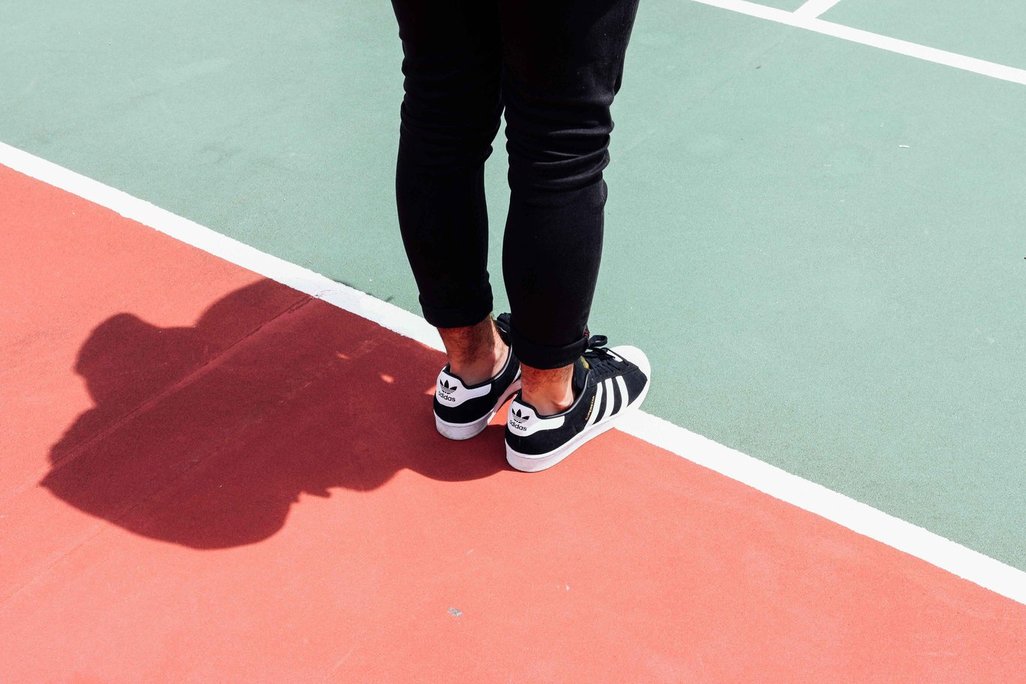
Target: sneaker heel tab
[447,374]
[518,400]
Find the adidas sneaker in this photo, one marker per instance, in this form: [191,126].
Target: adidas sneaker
[462,410]
[607,383]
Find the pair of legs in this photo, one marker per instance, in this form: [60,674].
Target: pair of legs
[553,67]
[477,353]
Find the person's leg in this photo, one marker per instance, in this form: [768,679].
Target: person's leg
[450,115]
[562,65]
[475,352]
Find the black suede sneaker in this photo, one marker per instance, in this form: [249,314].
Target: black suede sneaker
[607,383]
[461,410]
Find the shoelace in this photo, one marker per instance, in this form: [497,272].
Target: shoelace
[598,357]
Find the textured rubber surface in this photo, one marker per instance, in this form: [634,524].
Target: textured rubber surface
[212,477]
[810,329]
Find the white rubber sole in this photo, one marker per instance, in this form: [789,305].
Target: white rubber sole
[532,463]
[461,431]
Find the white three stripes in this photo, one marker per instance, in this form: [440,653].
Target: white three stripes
[607,410]
[624,397]
[615,391]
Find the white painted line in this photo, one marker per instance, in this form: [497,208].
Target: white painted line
[858,517]
[916,541]
[901,47]
[189,232]
[815,8]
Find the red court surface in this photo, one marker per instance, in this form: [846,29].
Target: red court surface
[207,476]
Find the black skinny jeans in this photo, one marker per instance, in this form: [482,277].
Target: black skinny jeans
[554,66]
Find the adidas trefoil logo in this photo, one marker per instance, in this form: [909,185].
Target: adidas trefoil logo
[445,392]
[520,417]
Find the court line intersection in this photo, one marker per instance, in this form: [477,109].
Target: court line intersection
[815,8]
[810,21]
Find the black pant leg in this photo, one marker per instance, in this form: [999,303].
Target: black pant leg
[450,114]
[563,64]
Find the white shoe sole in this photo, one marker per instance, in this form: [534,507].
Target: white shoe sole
[532,463]
[461,431]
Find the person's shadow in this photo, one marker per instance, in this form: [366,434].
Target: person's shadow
[205,436]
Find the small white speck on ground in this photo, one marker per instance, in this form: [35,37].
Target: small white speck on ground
[455,612]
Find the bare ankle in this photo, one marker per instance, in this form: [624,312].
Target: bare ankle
[476,352]
[549,391]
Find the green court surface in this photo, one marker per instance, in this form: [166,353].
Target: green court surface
[819,243]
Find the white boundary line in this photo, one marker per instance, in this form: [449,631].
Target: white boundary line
[901,47]
[250,258]
[912,539]
[815,8]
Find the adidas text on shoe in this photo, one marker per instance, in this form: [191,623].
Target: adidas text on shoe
[462,411]
[607,383]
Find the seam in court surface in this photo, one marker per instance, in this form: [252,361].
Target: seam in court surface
[809,22]
[128,416]
[858,517]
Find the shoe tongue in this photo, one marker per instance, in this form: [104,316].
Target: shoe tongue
[580,376]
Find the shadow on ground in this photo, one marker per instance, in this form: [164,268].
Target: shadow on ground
[206,436]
